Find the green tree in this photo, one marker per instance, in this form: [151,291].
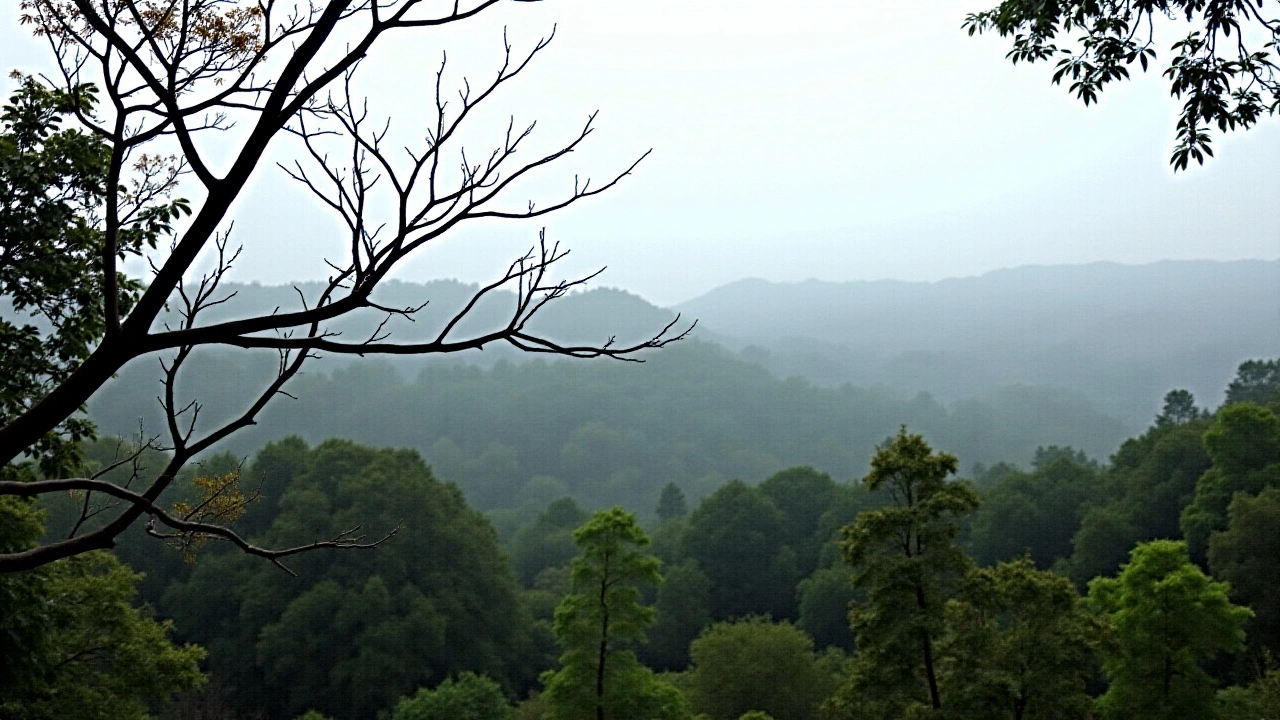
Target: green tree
[671,503]
[1244,444]
[1036,513]
[682,613]
[1179,408]
[1223,69]
[547,541]
[755,664]
[467,697]
[736,535]
[905,557]
[599,677]
[824,599]
[53,182]
[356,631]
[1020,646]
[1247,555]
[1259,700]
[1151,479]
[1256,381]
[73,644]
[802,494]
[1169,618]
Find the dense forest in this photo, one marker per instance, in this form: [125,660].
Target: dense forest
[974,499]
[1142,586]
[516,436]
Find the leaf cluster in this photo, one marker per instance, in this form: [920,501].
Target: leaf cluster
[1225,80]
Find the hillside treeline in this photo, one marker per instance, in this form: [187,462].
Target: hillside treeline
[1074,568]
[517,436]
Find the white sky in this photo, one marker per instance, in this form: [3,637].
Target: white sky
[830,139]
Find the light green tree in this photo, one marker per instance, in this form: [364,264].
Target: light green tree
[72,643]
[468,697]
[1020,646]
[599,677]
[1168,618]
[905,557]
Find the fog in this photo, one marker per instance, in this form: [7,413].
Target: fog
[817,139]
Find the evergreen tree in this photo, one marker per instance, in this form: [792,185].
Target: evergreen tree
[671,503]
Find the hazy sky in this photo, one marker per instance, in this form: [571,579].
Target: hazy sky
[829,139]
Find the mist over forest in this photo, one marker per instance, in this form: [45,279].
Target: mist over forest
[1046,492]
[775,375]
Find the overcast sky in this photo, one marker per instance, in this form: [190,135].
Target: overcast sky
[829,139]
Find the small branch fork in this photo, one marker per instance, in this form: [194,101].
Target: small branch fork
[349,539]
[173,69]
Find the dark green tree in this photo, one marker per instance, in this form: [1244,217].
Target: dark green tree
[356,631]
[905,557]
[1256,381]
[53,182]
[1169,618]
[736,535]
[1036,513]
[547,541]
[682,610]
[1151,479]
[1259,700]
[802,494]
[824,599]
[671,503]
[1247,555]
[1224,68]
[1244,444]
[755,664]
[1020,646]
[1179,408]
[599,676]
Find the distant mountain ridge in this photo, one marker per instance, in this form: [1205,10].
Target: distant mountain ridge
[990,368]
[1120,334]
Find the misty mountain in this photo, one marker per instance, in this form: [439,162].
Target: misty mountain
[1121,335]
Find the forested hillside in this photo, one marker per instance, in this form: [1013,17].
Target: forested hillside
[1046,590]
[519,435]
[1120,335]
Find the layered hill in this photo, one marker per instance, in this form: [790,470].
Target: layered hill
[1121,335]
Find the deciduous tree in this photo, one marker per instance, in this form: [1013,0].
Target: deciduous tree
[1020,646]
[1169,618]
[1244,443]
[1247,555]
[72,642]
[758,665]
[1224,68]
[467,697]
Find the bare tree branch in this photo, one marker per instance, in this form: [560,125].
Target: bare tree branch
[169,72]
